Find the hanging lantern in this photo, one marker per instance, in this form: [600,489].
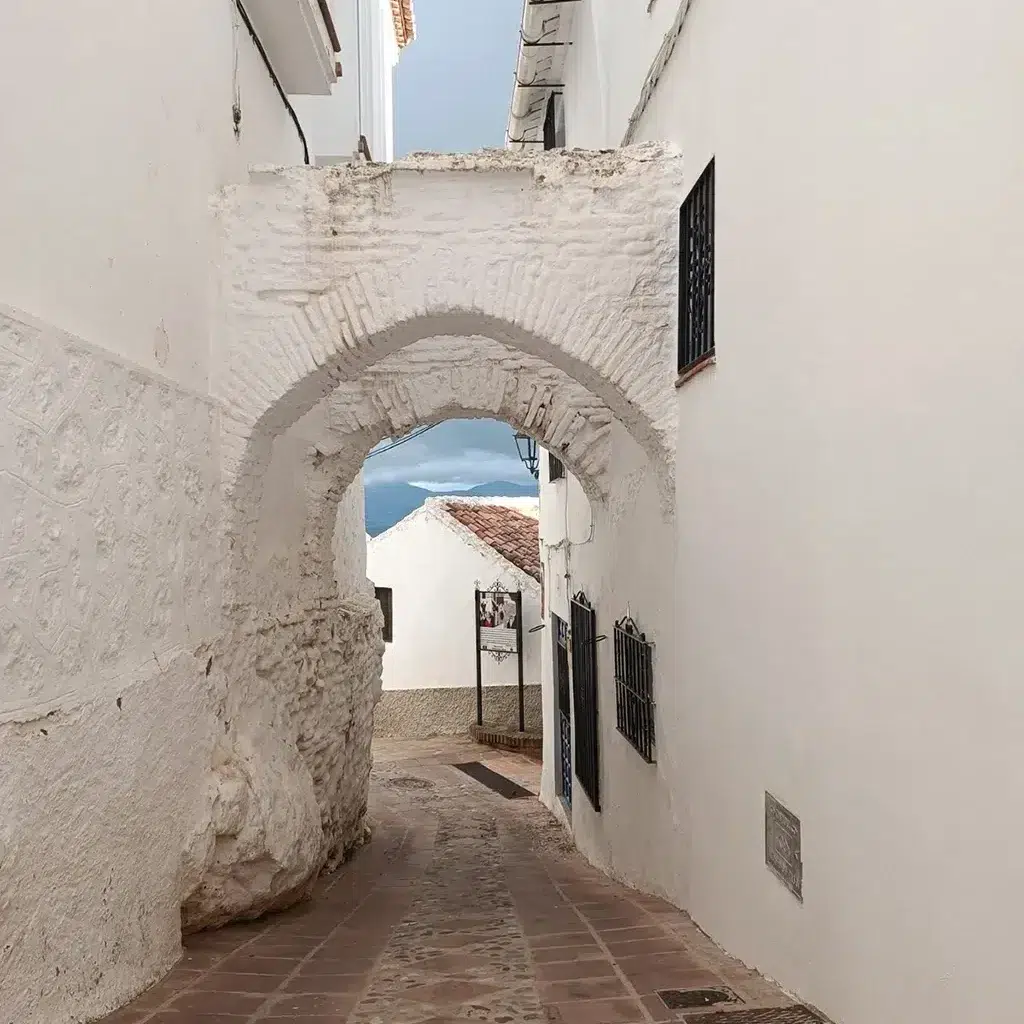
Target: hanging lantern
[527,448]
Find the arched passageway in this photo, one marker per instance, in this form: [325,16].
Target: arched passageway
[301,659]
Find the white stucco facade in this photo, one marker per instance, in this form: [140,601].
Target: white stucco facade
[361,103]
[845,497]
[432,563]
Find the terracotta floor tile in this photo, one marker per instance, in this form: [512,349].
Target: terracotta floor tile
[560,954]
[656,981]
[580,938]
[601,1011]
[581,988]
[226,1003]
[643,947]
[639,931]
[241,963]
[326,984]
[222,981]
[323,963]
[609,926]
[574,969]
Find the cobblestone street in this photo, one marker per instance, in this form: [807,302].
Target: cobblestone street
[465,906]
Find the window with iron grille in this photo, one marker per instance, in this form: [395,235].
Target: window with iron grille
[386,606]
[634,687]
[583,630]
[556,469]
[563,691]
[697,273]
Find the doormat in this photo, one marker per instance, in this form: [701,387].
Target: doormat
[697,998]
[492,780]
[775,1015]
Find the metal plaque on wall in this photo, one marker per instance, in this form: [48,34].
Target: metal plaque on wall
[782,845]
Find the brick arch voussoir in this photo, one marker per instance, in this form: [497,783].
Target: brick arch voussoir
[368,316]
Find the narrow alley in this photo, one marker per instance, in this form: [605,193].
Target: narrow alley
[464,906]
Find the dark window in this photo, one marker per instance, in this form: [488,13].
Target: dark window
[556,471]
[554,122]
[584,692]
[697,272]
[560,638]
[386,606]
[634,687]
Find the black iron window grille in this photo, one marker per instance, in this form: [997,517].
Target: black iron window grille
[556,468]
[560,637]
[384,597]
[697,273]
[634,687]
[583,622]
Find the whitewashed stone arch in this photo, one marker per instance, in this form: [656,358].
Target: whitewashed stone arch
[431,382]
[569,257]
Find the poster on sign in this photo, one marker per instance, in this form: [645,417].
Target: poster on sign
[498,620]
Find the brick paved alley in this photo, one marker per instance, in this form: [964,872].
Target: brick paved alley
[464,906]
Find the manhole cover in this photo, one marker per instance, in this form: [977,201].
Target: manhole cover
[409,782]
[775,1015]
[695,998]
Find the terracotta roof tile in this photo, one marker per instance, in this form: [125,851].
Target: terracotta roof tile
[405,25]
[514,536]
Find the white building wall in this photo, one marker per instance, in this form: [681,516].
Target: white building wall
[362,100]
[433,568]
[849,537]
[118,127]
[113,154]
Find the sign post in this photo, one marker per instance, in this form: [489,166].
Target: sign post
[479,671]
[519,650]
[499,631]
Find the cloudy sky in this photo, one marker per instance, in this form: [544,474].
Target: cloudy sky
[452,90]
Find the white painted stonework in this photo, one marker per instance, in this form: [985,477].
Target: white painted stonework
[190,648]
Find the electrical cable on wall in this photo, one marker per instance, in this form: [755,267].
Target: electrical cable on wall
[277,82]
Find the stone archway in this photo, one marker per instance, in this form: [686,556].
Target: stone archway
[568,256]
[537,290]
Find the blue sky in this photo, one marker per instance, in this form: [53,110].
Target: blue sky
[452,90]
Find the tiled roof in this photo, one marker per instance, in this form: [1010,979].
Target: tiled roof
[405,26]
[514,536]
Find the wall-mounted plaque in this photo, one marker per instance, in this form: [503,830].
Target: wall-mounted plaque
[782,845]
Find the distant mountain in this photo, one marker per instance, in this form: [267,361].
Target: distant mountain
[387,504]
[503,489]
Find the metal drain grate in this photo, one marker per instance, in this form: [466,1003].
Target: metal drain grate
[492,780]
[775,1015]
[696,998]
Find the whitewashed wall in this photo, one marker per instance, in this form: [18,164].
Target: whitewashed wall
[620,554]
[120,145]
[362,100]
[433,566]
[118,128]
[849,531]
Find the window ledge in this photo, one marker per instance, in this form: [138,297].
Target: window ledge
[694,370]
[300,43]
